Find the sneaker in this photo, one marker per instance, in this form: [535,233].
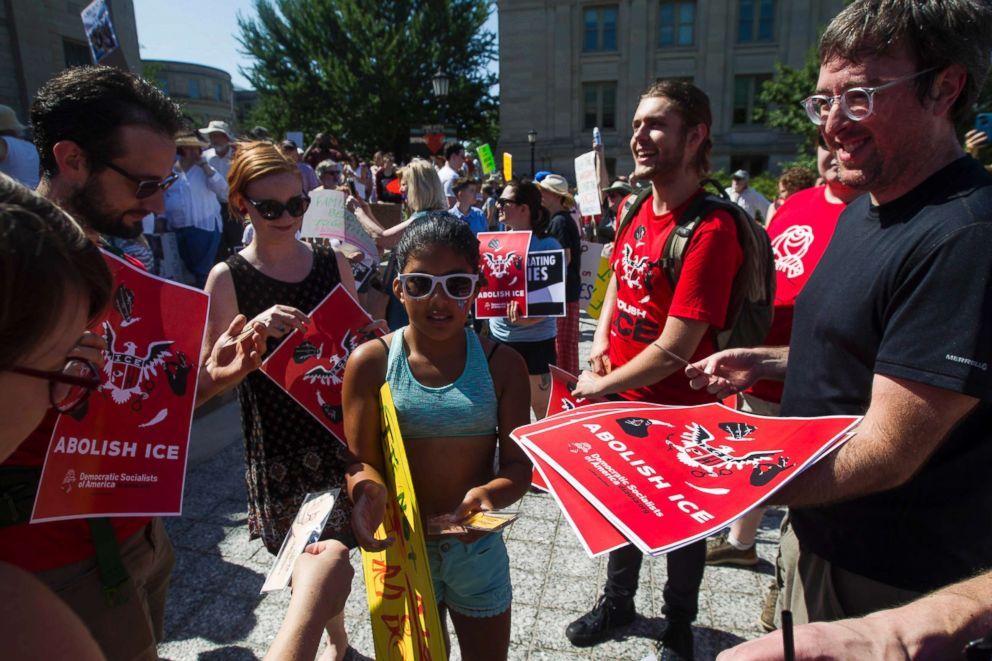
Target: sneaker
[598,624]
[767,618]
[676,644]
[719,551]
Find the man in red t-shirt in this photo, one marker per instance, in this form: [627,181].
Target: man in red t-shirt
[642,314]
[106,143]
[800,232]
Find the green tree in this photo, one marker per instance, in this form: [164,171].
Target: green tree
[362,69]
[780,99]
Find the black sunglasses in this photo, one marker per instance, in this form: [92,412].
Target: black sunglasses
[502,202]
[146,187]
[273,209]
[69,387]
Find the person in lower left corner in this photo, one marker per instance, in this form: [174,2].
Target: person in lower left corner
[457,399]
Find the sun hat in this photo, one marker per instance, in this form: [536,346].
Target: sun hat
[191,140]
[557,184]
[8,120]
[218,126]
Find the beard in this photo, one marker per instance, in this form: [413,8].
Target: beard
[667,164]
[88,207]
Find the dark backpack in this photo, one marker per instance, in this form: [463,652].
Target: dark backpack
[752,295]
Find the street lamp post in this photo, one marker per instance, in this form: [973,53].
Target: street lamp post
[532,139]
[440,81]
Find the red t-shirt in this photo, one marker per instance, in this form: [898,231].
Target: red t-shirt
[645,298]
[41,546]
[800,232]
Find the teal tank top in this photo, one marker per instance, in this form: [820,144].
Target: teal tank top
[466,407]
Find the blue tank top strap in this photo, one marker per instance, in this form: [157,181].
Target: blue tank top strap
[466,407]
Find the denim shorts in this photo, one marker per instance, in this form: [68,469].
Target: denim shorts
[471,579]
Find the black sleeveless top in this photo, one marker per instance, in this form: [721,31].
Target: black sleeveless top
[287,452]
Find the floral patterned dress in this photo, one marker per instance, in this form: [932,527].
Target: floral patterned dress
[287,451]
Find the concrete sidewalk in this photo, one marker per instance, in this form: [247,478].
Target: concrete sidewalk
[215,611]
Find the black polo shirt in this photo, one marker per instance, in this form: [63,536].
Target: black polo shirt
[905,290]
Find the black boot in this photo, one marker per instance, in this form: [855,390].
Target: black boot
[598,624]
[676,644]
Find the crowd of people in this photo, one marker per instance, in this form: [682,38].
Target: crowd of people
[882,300]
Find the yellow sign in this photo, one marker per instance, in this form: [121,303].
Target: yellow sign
[507,166]
[599,290]
[405,621]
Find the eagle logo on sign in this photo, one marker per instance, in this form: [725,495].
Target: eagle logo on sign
[333,374]
[129,375]
[696,451]
[499,265]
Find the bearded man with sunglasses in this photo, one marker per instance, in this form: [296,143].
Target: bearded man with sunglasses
[895,323]
[105,139]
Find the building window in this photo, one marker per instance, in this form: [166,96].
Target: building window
[77,53]
[755,21]
[600,29]
[678,20]
[746,91]
[755,164]
[218,91]
[163,84]
[599,106]
[194,88]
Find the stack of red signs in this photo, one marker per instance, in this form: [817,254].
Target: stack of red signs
[309,366]
[661,477]
[124,452]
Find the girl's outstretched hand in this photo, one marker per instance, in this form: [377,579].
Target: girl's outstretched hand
[476,500]
[367,516]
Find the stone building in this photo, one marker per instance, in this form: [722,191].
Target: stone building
[205,93]
[39,38]
[568,66]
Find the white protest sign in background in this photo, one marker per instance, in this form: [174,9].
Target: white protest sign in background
[328,218]
[588,271]
[587,181]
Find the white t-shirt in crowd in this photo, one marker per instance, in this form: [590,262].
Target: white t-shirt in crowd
[751,201]
[192,200]
[448,177]
[220,163]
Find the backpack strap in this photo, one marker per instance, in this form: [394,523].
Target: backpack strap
[114,578]
[673,254]
[18,486]
[631,205]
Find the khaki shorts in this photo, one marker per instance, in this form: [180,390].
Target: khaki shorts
[750,404]
[817,591]
[133,629]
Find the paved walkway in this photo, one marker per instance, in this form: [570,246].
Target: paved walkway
[215,611]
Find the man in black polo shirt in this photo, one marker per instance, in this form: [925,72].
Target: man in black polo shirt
[895,323]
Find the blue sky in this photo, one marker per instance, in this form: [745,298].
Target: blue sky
[200,31]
